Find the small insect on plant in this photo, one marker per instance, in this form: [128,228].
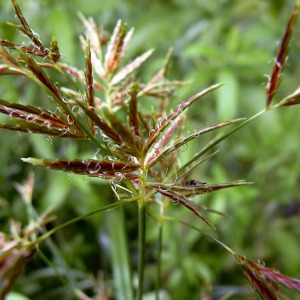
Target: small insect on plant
[104,107]
[194,182]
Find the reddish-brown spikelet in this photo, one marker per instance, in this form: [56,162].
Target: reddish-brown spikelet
[133,115]
[281,58]
[54,51]
[114,51]
[89,82]
[291,99]
[90,167]
[267,281]
[38,120]
[25,28]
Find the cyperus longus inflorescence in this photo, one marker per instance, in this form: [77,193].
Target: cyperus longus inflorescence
[139,146]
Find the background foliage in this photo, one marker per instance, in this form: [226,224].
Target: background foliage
[213,41]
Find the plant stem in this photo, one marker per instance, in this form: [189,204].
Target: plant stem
[158,270]
[141,248]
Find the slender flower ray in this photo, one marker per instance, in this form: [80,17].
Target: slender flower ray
[10,108]
[26,49]
[96,63]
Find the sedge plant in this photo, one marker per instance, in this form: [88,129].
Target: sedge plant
[138,144]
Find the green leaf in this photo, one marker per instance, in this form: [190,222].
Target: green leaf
[227,96]
[119,254]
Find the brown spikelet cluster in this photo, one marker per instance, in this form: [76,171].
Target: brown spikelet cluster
[19,246]
[13,258]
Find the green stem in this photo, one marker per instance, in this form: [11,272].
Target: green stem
[141,249]
[105,208]
[120,259]
[159,252]
[65,275]
[217,141]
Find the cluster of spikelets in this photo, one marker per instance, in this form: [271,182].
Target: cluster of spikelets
[105,104]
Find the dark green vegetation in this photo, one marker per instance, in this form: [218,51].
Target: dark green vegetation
[230,42]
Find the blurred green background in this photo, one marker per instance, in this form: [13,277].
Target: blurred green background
[213,41]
